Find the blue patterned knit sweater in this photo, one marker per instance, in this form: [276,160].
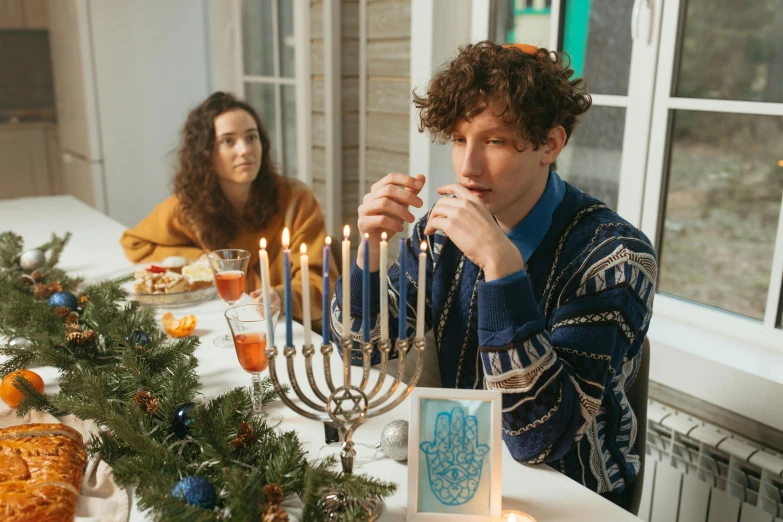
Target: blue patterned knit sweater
[562,342]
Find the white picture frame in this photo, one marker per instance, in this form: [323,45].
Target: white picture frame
[431,496]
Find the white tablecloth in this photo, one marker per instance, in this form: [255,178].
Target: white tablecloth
[95,253]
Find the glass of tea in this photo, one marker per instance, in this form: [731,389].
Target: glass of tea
[248,329]
[230,268]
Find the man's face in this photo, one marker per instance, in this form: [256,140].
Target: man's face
[485,161]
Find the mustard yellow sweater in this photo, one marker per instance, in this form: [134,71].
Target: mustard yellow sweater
[163,234]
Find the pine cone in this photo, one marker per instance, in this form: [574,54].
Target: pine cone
[245,437]
[73,327]
[273,493]
[62,312]
[83,300]
[90,336]
[43,291]
[75,337]
[72,318]
[37,275]
[274,514]
[146,401]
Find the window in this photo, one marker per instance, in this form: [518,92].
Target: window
[268,79]
[685,139]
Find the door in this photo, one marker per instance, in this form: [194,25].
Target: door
[83,179]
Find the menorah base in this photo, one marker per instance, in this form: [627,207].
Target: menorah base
[336,504]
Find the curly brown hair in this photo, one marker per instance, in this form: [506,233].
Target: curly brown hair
[196,185]
[532,86]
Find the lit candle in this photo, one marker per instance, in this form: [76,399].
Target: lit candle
[346,283]
[384,289]
[289,333]
[366,290]
[420,310]
[402,327]
[325,315]
[263,259]
[305,295]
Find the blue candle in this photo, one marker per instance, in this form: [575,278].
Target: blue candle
[402,333]
[289,334]
[366,290]
[325,301]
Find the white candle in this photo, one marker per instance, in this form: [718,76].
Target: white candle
[346,282]
[305,294]
[420,310]
[384,288]
[263,260]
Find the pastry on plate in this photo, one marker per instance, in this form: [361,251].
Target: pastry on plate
[174,263]
[198,275]
[41,468]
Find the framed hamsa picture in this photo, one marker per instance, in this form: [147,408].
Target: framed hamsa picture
[454,455]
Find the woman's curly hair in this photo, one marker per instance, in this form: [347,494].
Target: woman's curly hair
[196,185]
[531,87]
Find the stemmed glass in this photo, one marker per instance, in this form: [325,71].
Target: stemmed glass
[230,268]
[248,329]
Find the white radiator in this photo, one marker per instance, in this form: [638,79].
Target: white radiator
[695,472]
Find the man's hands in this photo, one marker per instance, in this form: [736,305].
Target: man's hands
[467,222]
[385,209]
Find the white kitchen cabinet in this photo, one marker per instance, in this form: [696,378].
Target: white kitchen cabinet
[25,160]
[11,14]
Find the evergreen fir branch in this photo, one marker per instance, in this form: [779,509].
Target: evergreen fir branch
[10,250]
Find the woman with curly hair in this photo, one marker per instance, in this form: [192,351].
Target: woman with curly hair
[228,194]
[535,288]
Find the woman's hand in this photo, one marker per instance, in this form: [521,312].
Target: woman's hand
[257,296]
[385,209]
[467,222]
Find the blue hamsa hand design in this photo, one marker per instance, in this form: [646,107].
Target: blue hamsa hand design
[454,459]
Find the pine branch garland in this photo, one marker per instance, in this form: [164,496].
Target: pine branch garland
[132,391]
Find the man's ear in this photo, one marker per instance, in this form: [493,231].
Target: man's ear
[554,145]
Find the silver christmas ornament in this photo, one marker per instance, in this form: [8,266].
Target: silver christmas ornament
[394,440]
[20,342]
[32,260]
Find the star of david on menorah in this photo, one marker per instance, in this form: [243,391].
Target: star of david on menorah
[347,404]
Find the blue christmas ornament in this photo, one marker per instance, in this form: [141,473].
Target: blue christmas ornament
[195,491]
[139,337]
[66,299]
[183,418]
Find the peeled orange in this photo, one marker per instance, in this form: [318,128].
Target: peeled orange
[10,394]
[179,327]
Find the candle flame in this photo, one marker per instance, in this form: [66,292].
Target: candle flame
[383,236]
[346,231]
[303,249]
[423,246]
[366,236]
[512,517]
[286,237]
[328,240]
[262,243]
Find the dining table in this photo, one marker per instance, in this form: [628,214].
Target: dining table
[94,253]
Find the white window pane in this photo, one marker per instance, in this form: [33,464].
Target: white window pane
[722,206]
[597,37]
[289,129]
[591,159]
[732,51]
[262,97]
[520,21]
[286,27]
[258,37]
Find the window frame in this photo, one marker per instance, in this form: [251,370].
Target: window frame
[300,81]
[763,333]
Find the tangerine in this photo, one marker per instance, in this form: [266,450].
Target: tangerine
[10,394]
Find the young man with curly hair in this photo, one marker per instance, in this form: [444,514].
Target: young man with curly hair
[534,288]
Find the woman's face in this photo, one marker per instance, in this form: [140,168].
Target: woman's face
[238,150]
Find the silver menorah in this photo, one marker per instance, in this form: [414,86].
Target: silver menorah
[347,406]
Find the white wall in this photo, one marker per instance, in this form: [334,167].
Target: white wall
[151,67]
